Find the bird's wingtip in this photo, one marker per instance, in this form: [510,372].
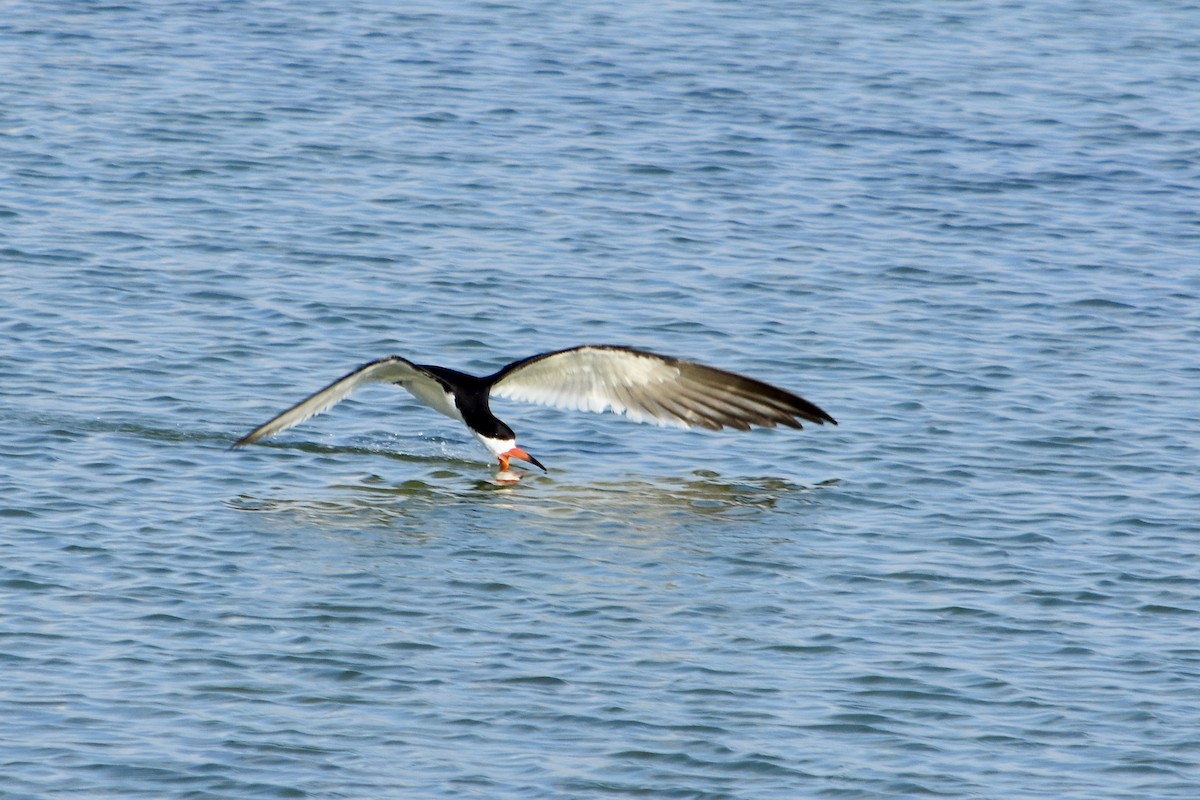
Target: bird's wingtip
[242,442]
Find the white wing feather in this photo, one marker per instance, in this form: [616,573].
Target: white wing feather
[648,387]
[392,369]
[591,379]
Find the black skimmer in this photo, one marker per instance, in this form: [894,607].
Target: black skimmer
[644,386]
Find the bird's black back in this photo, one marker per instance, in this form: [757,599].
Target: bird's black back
[471,397]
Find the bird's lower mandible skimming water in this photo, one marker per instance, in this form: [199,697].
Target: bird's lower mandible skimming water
[644,386]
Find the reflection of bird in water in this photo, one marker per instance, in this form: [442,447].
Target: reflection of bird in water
[644,386]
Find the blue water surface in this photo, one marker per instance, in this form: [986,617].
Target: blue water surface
[969,231]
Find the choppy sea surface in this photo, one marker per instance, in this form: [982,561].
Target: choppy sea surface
[969,231]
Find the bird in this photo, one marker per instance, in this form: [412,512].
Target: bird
[642,385]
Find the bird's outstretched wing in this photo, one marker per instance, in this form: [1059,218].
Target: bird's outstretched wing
[392,369]
[648,387]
